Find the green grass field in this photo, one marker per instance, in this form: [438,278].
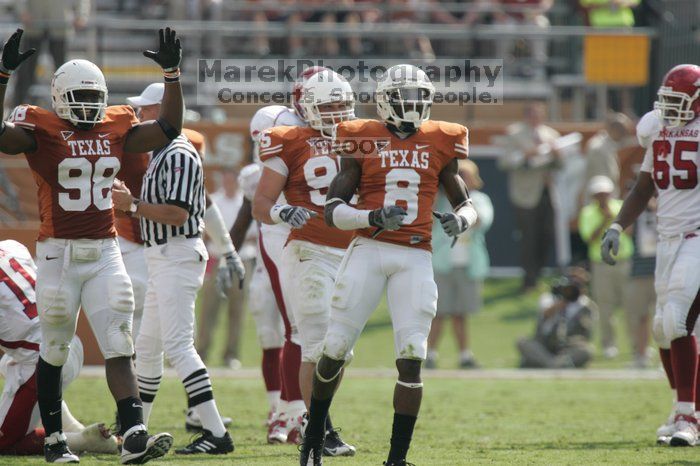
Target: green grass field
[463,420]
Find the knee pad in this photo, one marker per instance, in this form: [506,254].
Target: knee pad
[54,352]
[657,331]
[270,337]
[54,307]
[412,343]
[338,345]
[675,316]
[119,339]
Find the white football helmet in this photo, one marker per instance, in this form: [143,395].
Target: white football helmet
[404,97]
[73,76]
[322,88]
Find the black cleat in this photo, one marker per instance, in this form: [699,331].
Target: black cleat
[56,450]
[138,447]
[207,443]
[311,452]
[334,445]
[398,463]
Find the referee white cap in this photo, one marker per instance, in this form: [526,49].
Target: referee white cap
[601,184]
[152,95]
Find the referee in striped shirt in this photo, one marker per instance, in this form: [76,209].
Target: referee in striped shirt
[171,210]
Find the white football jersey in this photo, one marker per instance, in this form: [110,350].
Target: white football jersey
[20,334]
[265,118]
[673,159]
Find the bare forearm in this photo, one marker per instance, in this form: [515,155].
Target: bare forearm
[636,200]
[261,209]
[241,225]
[167,214]
[173,106]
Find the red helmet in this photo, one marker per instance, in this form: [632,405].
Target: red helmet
[679,94]
[296,92]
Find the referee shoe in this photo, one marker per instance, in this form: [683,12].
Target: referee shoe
[207,443]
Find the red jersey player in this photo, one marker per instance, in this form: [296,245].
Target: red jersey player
[74,152]
[396,165]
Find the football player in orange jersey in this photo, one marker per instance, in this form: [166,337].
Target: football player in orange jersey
[397,165]
[300,164]
[74,153]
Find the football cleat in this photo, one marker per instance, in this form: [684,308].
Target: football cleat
[207,443]
[294,429]
[663,441]
[138,447]
[668,428]
[56,449]
[334,445]
[311,453]
[400,463]
[194,424]
[277,432]
[686,434]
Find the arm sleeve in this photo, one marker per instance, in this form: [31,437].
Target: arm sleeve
[216,229]
[180,172]
[648,162]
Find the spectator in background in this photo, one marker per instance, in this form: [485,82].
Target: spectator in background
[564,327]
[513,13]
[640,291]
[601,150]
[407,12]
[229,200]
[472,13]
[50,21]
[531,163]
[460,271]
[608,284]
[328,13]
[609,13]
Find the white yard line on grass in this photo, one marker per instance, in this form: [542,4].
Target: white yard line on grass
[481,374]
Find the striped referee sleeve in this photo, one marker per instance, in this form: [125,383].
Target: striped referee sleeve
[181,175]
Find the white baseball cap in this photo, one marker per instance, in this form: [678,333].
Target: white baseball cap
[152,95]
[601,184]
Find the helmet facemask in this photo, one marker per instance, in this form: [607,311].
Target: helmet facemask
[675,107]
[406,108]
[82,106]
[324,115]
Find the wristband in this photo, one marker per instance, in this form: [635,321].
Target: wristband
[275,212]
[171,75]
[467,212]
[4,76]
[616,226]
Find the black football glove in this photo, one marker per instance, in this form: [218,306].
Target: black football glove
[387,218]
[11,56]
[169,53]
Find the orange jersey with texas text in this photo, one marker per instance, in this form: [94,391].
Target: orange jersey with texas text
[311,166]
[74,170]
[403,172]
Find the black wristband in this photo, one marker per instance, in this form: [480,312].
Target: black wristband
[168,129]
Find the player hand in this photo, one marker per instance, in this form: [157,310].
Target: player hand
[452,224]
[610,242]
[11,56]
[169,51]
[387,218]
[230,265]
[295,216]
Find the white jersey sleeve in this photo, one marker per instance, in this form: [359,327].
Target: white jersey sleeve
[648,162]
[19,324]
[248,180]
[648,127]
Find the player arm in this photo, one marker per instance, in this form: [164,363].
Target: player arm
[337,212]
[636,201]
[241,224]
[458,195]
[265,207]
[152,135]
[215,227]
[13,140]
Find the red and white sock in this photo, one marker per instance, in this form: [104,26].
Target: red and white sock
[290,364]
[271,375]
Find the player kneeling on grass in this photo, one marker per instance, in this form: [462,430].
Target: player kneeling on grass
[20,337]
[398,164]
[74,152]
[671,170]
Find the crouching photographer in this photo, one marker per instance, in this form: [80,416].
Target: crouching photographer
[564,327]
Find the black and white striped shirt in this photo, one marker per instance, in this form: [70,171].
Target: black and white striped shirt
[174,176]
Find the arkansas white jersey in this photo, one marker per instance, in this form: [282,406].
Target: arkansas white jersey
[266,118]
[673,159]
[647,127]
[20,334]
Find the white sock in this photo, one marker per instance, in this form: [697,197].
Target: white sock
[685,407]
[147,407]
[273,398]
[210,417]
[466,355]
[432,354]
[70,424]
[296,408]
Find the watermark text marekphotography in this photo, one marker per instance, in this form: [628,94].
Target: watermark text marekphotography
[268,82]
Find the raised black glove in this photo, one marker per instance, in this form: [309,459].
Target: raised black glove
[169,53]
[11,56]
